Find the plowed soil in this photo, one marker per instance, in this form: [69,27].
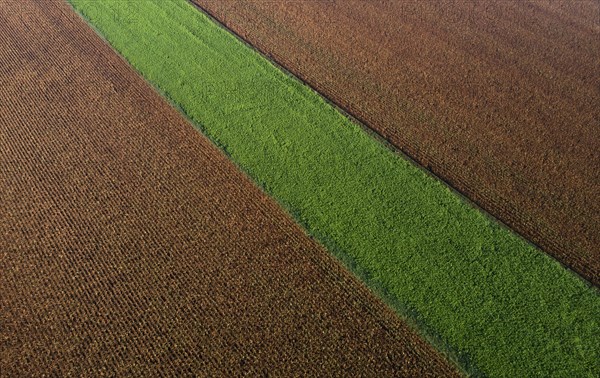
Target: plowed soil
[499,99]
[131,246]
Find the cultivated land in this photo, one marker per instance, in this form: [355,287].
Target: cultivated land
[499,305]
[131,246]
[500,99]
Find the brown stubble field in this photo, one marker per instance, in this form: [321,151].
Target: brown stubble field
[130,245]
[499,99]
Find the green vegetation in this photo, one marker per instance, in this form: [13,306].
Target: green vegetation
[477,290]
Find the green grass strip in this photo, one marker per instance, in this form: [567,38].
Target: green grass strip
[477,290]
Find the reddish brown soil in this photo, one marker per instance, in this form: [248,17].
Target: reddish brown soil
[500,99]
[130,245]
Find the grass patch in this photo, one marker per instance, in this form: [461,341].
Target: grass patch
[472,286]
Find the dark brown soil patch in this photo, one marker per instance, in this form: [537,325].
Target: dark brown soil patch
[130,245]
[499,99]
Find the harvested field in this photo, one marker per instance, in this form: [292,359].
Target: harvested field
[131,246]
[500,99]
[499,305]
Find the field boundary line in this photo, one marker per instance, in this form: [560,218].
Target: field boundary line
[385,142]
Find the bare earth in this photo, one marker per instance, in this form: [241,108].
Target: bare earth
[500,99]
[130,245]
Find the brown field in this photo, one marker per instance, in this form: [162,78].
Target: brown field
[130,245]
[500,99]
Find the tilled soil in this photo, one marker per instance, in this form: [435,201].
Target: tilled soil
[499,99]
[130,245]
